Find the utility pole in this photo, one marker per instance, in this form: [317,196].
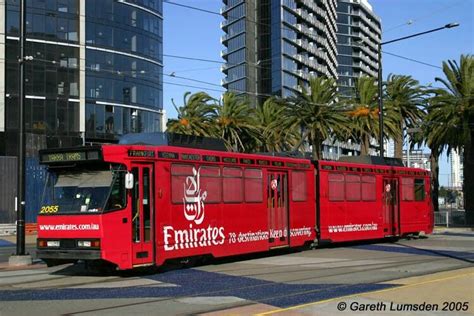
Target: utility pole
[21,258]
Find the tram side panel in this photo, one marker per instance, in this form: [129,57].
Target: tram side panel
[303,224]
[224,210]
[416,210]
[350,206]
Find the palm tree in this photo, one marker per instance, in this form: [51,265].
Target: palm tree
[454,107]
[271,119]
[364,113]
[439,132]
[194,116]
[235,123]
[404,97]
[316,113]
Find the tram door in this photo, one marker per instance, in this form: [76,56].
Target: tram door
[142,215]
[277,199]
[391,210]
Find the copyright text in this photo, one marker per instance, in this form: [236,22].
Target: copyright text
[399,307]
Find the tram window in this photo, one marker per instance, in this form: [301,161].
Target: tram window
[232,188]
[408,189]
[419,189]
[298,186]
[336,186]
[352,187]
[146,203]
[368,188]
[136,206]
[118,197]
[179,173]
[211,183]
[253,184]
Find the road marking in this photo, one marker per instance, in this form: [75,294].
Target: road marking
[362,293]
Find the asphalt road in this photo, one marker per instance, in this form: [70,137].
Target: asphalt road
[253,284]
[7,251]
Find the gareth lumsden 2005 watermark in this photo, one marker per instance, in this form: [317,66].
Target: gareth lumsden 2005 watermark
[401,307]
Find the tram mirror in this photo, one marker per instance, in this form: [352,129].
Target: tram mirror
[129,181]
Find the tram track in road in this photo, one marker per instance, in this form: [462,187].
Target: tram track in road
[121,278]
[328,290]
[55,276]
[283,268]
[343,289]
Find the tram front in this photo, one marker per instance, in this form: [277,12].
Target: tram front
[82,208]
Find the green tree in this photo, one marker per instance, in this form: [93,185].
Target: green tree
[405,98]
[194,116]
[271,119]
[316,112]
[363,111]
[452,120]
[235,123]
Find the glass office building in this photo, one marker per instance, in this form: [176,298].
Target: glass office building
[95,73]
[274,47]
[358,36]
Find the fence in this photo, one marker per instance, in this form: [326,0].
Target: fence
[8,183]
[35,179]
[450,218]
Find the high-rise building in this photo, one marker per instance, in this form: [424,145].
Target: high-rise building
[273,47]
[358,36]
[95,71]
[457,169]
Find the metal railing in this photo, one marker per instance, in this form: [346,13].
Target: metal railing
[450,218]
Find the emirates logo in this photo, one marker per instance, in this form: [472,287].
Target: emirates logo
[193,198]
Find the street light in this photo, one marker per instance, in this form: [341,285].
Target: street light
[21,258]
[447,26]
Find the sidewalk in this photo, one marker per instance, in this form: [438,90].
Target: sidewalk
[29,239]
[410,296]
[442,229]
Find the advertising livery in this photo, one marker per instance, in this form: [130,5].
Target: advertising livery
[141,205]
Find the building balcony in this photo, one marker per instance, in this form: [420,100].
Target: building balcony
[310,48]
[312,63]
[365,40]
[310,4]
[225,24]
[367,50]
[224,10]
[312,20]
[227,37]
[367,31]
[364,17]
[365,68]
[289,5]
[366,59]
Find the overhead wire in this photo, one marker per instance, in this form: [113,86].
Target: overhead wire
[432,13]
[413,60]
[172,74]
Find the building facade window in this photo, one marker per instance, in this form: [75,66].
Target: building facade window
[123,66]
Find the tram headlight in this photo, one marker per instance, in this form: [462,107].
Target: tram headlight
[52,243]
[88,243]
[84,243]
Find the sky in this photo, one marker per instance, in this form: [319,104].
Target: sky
[191,33]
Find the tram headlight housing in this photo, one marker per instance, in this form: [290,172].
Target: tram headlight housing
[53,243]
[88,243]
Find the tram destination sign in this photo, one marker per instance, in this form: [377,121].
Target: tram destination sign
[69,156]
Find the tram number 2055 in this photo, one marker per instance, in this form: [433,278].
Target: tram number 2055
[49,209]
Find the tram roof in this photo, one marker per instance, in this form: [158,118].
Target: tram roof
[373,160]
[172,139]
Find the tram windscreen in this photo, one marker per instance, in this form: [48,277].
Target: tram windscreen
[85,191]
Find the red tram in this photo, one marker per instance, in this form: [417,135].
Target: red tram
[140,205]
